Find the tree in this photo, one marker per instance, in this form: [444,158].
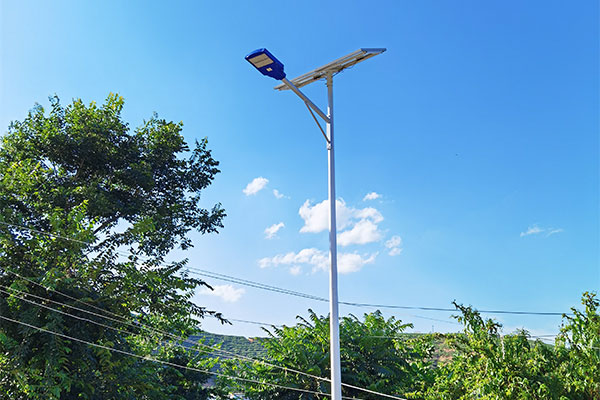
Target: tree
[374,355]
[90,209]
[488,365]
[578,346]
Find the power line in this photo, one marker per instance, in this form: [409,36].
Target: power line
[92,321]
[262,286]
[131,333]
[148,358]
[46,233]
[245,321]
[230,354]
[257,285]
[120,317]
[138,325]
[276,289]
[543,337]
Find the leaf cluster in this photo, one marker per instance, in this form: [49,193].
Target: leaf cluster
[489,365]
[374,355]
[116,203]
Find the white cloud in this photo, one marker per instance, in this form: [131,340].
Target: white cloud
[296,270]
[226,292]
[370,213]
[395,251]
[311,256]
[272,230]
[394,241]
[318,260]
[352,262]
[371,196]
[255,186]
[536,230]
[316,218]
[532,230]
[394,244]
[278,194]
[365,231]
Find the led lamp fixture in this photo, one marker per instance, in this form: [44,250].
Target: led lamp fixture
[266,63]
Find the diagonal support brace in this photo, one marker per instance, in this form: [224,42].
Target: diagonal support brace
[309,103]
[318,124]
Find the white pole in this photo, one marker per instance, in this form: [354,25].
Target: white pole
[334,321]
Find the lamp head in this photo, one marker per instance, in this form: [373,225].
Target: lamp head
[266,63]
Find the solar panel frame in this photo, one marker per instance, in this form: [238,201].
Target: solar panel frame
[333,67]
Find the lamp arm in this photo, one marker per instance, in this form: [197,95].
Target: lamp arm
[305,99]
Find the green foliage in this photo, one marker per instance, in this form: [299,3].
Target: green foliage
[80,173]
[373,355]
[487,365]
[578,346]
[482,364]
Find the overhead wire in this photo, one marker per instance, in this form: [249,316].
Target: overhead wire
[87,319]
[245,321]
[258,285]
[262,286]
[229,354]
[155,330]
[155,360]
[231,357]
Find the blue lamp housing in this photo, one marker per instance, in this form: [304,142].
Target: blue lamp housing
[266,63]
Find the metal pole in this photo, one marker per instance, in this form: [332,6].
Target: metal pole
[334,321]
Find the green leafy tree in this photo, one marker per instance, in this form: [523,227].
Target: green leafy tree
[578,346]
[116,202]
[374,355]
[488,365]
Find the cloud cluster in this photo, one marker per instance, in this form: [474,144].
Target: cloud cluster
[536,230]
[364,231]
[226,292]
[255,186]
[317,260]
[355,225]
[258,184]
[394,245]
[361,223]
[278,194]
[371,196]
[272,230]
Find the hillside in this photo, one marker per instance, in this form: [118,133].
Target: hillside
[239,345]
[252,347]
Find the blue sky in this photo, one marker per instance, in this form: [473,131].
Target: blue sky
[477,130]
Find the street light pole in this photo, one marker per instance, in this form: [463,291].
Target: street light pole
[334,320]
[268,65]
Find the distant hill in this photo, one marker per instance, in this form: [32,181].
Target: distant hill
[252,347]
[239,345]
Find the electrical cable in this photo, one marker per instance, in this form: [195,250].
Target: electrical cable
[262,286]
[259,285]
[138,325]
[176,344]
[148,358]
[231,354]
[245,321]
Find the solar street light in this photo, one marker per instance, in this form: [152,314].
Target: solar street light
[268,65]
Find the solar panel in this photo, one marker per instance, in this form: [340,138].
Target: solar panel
[333,67]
